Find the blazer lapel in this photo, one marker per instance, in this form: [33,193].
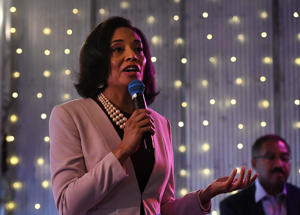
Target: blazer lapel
[254,208]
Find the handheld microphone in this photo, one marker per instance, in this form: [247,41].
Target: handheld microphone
[136,89]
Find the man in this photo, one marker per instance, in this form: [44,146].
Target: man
[271,194]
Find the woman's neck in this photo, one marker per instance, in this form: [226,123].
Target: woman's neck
[120,98]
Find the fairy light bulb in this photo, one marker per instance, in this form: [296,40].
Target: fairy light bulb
[182,148]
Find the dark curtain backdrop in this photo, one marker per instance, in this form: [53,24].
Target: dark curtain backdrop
[227,72]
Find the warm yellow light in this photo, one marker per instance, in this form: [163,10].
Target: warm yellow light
[177,84]
[45,184]
[66,96]
[43,116]
[37,206]
[176,1]
[296,14]
[13,160]
[239,81]
[176,17]
[206,171]
[46,73]
[156,40]
[233,101]
[19,51]
[39,95]
[298,36]
[47,52]
[150,19]
[75,11]
[240,146]
[205,15]
[69,31]
[262,78]
[205,122]
[17,185]
[213,60]
[204,83]
[263,124]
[263,34]
[13,118]
[67,72]
[297,125]
[267,60]
[153,59]
[14,95]
[47,139]
[124,5]
[184,104]
[234,20]
[205,147]
[263,15]
[209,36]
[299,171]
[47,31]
[180,124]
[234,192]
[240,126]
[214,213]
[10,205]
[40,161]
[241,38]
[67,51]
[9,138]
[103,12]
[212,101]
[297,101]
[183,192]
[12,9]
[182,148]
[183,60]
[183,172]
[179,41]
[264,104]
[16,75]
[13,30]
[297,61]
[233,59]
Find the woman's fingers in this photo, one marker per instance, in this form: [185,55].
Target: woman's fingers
[231,178]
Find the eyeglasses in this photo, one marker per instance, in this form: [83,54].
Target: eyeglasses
[273,157]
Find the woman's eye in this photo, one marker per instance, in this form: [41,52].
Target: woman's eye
[139,49]
[117,49]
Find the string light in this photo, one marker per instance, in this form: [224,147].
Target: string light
[156,40]
[39,95]
[239,81]
[267,60]
[13,9]
[182,148]
[205,15]
[297,101]
[11,205]
[204,83]
[177,84]
[175,17]
[9,138]
[297,61]
[212,101]
[47,139]
[205,123]
[150,19]
[240,146]
[180,124]
[16,75]
[240,126]
[37,206]
[67,72]
[264,104]
[263,15]
[45,184]
[43,116]
[209,36]
[124,5]
[17,185]
[184,104]
[205,147]
[69,32]
[75,11]
[264,34]
[67,51]
[183,60]
[47,52]
[14,160]
[233,59]
[13,118]
[15,95]
[233,101]
[214,212]
[296,14]
[206,171]
[153,59]
[183,191]
[296,125]
[262,79]
[19,51]
[46,73]
[66,96]
[47,31]
[213,60]
[103,12]
[13,30]
[179,42]
[241,38]
[234,20]
[183,173]
[40,161]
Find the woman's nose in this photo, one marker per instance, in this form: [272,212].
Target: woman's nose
[130,55]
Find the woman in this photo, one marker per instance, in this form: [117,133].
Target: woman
[98,162]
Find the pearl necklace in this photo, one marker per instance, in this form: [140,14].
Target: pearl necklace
[113,112]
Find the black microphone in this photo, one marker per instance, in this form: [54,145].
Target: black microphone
[136,89]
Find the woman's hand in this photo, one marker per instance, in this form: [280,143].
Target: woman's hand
[227,184]
[136,126]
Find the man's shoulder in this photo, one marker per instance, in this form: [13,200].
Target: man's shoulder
[247,193]
[292,188]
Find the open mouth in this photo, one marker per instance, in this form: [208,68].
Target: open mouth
[132,68]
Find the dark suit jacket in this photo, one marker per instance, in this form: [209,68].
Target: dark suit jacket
[243,203]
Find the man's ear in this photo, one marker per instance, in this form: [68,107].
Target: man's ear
[253,162]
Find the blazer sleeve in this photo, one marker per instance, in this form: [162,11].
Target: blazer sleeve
[189,204]
[75,189]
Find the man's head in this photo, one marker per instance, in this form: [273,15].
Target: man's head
[271,160]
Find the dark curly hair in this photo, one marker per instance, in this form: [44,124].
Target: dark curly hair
[266,138]
[95,60]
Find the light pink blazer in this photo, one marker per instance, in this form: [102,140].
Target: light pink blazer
[88,179]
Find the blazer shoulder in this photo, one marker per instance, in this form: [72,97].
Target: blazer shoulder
[241,196]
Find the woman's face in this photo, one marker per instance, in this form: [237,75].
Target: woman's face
[127,58]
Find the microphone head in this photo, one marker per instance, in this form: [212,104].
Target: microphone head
[136,87]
